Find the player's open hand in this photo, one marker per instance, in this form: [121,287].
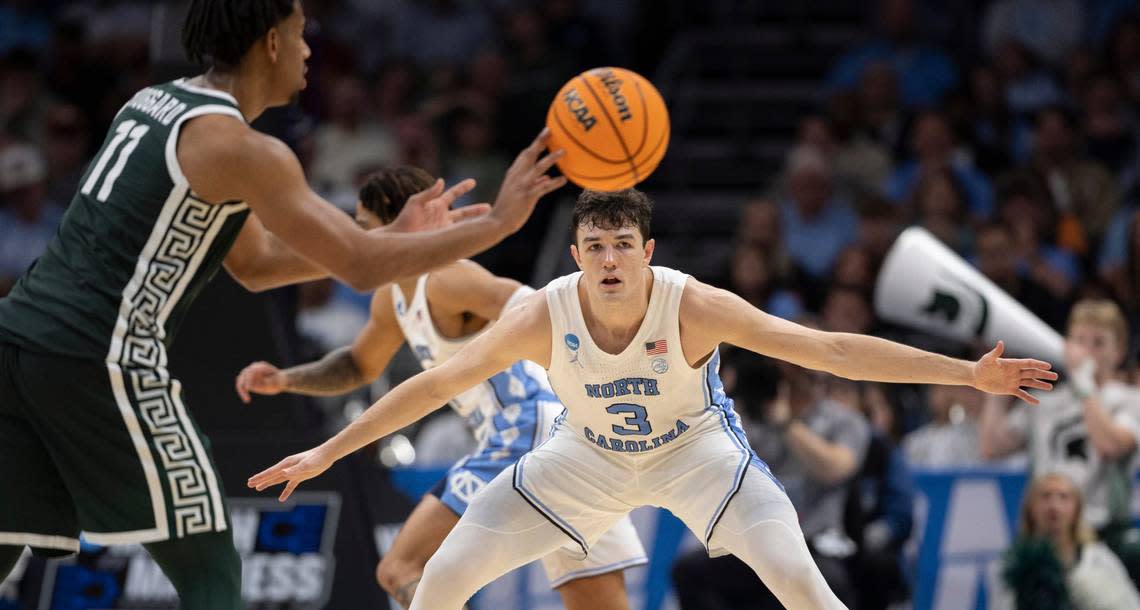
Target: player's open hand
[431,208]
[526,182]
[1012,376]
[291,471]
[259,378]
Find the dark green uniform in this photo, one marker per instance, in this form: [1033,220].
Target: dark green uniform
[94,432]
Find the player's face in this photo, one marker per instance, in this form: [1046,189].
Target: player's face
[612,260]
[1101,344]
[287,44]
[366,218]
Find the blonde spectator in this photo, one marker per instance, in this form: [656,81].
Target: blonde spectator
[1056,562]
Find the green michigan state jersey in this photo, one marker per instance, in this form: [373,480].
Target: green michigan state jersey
[135,246]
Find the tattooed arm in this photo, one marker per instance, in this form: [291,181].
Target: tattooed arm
[341,370]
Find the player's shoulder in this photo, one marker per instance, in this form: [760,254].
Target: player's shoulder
[227,140]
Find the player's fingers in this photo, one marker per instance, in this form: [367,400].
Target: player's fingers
[427,194]
[243,393]
[548,186]
[455,192]
[531,152]
[289,487]
[273,473]
[1033,383]
[1039,374]
[1026,396]
[469,211]
[547,162]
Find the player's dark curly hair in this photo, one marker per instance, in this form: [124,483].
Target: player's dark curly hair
[612,210]
[387,190]
[219,32]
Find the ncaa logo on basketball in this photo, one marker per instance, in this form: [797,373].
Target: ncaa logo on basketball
[572,342]
[578,108]
[660,366]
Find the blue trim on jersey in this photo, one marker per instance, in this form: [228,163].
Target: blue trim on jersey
[613,567]
[714,389]
[544,510]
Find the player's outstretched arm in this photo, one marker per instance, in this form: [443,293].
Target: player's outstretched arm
[341,370]
[721,316]
[522,334]
[225,160]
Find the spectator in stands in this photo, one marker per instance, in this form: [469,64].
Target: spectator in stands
[1110,127]
[881,116]
[760,226]
[998,136]
[878,515]
[879,225]
[455,29]
[855,267]
[1050,29]
[995,247]
[939,205]
[754,275]
[860,163]
[1079,187]
[23,24]
[348,143]
[846,309]
[815,447]
[1089,425]
[393,91]
[1056,563]
[27,219]
[23,96]
[1024,205]
[816,224]
[67,146]
[1028,85]
[1123,55]
[471,154]
[934,148]
[950,439]
[924,73]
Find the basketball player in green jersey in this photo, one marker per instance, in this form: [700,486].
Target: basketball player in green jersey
[94,432]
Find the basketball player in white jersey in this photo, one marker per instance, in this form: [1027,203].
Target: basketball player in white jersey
[631,351]
[509,414]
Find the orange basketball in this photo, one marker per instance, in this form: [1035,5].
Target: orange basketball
[613,125]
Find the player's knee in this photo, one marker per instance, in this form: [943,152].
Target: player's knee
[393,572]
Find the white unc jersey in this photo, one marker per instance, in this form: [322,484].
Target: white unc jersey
[505,402]
[646,397]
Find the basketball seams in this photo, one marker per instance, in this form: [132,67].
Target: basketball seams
[644,119]
[565,131]
[613,125]
[662,138]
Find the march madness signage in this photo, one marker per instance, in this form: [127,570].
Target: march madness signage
[286,551]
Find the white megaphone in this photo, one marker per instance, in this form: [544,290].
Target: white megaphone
[925,285]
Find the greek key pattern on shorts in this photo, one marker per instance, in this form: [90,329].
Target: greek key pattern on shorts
[143,360]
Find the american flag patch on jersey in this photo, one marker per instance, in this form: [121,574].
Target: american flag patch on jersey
[653,348]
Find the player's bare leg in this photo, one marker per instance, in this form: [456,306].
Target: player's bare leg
[400,569]
[601,592]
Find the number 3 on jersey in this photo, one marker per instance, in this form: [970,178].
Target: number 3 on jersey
[127,129]
[635,422]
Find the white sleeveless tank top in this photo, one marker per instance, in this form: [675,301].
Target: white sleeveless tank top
[647,396]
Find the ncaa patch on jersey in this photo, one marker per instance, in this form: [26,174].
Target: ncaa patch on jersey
[572,342]
[660,366]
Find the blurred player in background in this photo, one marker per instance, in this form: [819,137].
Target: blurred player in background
[94,434]
[510,414]
[632,353]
